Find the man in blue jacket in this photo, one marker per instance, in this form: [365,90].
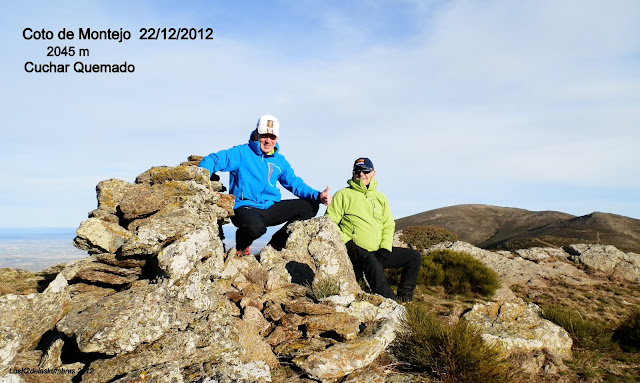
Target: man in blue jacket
[254,168]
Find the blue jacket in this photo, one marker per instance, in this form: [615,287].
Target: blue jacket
[253,175]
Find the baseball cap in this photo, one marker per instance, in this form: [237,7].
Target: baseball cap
[363,163]
[268,124]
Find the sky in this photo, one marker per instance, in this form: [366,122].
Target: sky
[527,104]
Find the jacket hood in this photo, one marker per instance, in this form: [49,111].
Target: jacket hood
[361,187]
[255,146]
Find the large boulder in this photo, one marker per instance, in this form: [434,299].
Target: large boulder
[344,358]
[25,318]
[98,236]
[183,255]
[608,260]
[122,321]
[516,328]
[319,241]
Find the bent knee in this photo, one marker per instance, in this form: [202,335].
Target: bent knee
[255,230]
[310,210]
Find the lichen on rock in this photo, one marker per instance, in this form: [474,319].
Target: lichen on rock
[158,297]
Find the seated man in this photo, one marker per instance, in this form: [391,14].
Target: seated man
[254,169]
[363,216]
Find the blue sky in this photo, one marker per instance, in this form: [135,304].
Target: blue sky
[528,104]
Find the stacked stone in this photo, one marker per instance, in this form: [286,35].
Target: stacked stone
[326,338]
[158,299]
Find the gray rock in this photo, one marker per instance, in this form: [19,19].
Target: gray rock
[51,360]
[97,236]
[343,358]
[517,328]
[191,325]
[85,295]
[122,321]
[25,318]
[161,174]
[92,270]
[182,256]
[520,271]
[539,254]
[344,325]
[607,259]
[319,239]
[169,372]
[110,194]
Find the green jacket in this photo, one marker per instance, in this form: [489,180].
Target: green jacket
[363,215]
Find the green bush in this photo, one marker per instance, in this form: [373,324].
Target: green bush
[458,272]
[423,237]
[431,273]
[586,334]
[627,334]
[451,354]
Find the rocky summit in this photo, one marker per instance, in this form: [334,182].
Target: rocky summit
[158,298]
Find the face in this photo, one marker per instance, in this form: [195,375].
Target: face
[366,178]
[267,142]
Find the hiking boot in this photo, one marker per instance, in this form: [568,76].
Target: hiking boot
[246,251]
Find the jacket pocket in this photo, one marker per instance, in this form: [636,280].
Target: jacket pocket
[376,210]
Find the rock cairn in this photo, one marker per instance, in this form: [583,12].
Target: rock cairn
[159,299]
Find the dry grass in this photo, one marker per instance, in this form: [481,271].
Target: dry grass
[600,308]
[591,314]
[323,288]
[608,301]
[451,353]
[22,282]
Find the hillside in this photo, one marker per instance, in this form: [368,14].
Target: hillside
[493,227]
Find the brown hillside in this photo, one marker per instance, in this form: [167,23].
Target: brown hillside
[602,228]
[478,224]
[510,228]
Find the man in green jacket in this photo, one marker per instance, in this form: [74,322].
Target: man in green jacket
[364,218]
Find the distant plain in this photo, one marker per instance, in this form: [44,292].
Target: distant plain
[37,249]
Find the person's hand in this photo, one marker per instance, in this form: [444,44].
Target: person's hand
[325,197]
[384,253]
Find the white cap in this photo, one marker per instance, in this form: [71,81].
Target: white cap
[268,124]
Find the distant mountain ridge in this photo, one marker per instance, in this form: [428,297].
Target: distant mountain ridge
[494,227]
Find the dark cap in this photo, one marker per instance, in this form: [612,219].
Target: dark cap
[363,163]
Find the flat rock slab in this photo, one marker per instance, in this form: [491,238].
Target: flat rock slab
[120,322]
[516,327]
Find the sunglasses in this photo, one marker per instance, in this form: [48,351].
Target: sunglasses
[358,171]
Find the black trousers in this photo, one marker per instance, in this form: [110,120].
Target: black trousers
[252,222]
[373,263]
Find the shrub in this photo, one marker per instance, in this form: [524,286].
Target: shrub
[588,334]
[431,273]
[627,334]
[458,272]
[450,353]
[393,276]
[423,237]
[323,288]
